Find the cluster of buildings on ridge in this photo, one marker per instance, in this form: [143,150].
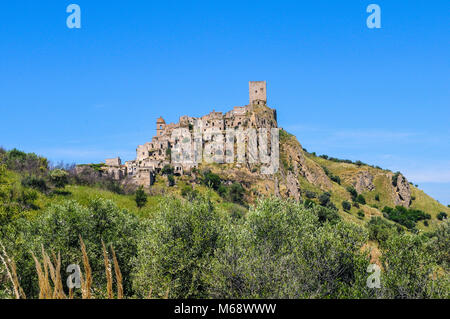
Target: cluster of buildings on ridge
[152,156]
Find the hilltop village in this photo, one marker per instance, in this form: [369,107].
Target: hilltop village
[153,156]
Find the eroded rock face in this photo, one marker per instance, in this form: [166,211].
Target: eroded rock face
[364,182]
[313,173]
[277,187]
[402,192]
[293,186]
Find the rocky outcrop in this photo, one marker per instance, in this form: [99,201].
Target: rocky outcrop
[276,187]
[363,182]
[293,186]
[300,165]
[401,189]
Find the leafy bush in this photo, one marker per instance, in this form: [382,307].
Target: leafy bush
[360,199]
[29,163]
[381,230]
[336,179]
[408,269]
[353,192]
[235,193]
[187,191]
[439,245]
[442,216]
[59,178]
[38,183]
[211,180]
[176,249]
[310,194]
[404,216]
[333,177]
[346,206]
[167,170]
[283,251]
[324,199]
[170,180]
[140,197]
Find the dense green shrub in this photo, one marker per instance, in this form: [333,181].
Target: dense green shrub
[353,192]
[170,180]
[283,251]
[324,199]
[235,193]
[333,177]
[59,178]
[439,245]
[22,162]
[188,192]
[442,216]
[167,170]
[404,216]
[346,206]
[38,183]
[381,230]
[409,271]
[211,180]
[176,248]
[140,197]
[310,194]
[360,199]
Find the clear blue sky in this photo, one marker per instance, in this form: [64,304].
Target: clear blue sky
[380,96]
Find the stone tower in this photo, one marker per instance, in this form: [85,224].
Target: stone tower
[258,92]
[160,126]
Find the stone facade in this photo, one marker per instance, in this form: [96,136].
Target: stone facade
[258,92]
[151,157]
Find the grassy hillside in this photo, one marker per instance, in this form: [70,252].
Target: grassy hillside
[319,174]
[382,191]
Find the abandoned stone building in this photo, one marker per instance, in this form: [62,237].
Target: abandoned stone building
[151,157]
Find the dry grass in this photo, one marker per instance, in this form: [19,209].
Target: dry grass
[108,272]
[47,290]
[118,275]
[86,282]
[11,270]
[50,280]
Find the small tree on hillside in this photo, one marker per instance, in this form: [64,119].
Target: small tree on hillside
[346,206]
[59,178]
[360,199]
[140,197]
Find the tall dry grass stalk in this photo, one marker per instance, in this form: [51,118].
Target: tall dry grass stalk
[108,271]
[118,275]
[86,283]
[11,270]
[49,275]
[50,271]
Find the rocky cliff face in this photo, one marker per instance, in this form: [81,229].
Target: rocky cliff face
[297,164]
[401,191]
[363,182]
